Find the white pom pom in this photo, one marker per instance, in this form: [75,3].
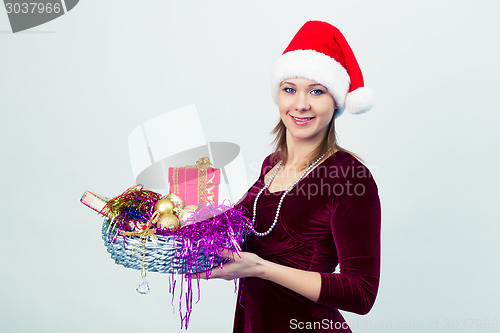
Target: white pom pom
[359,101]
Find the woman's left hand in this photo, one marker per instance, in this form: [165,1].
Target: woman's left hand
[242,265]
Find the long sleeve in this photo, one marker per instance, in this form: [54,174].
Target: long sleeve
[319,227]
[355,224]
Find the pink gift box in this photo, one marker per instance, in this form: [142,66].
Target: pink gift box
[195,185]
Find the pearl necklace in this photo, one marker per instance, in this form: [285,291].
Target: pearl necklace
[255,232]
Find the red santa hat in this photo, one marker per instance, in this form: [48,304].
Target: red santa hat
[320,52]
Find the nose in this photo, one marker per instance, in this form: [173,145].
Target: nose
[302,102]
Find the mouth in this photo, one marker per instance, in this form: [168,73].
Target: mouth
[302,120]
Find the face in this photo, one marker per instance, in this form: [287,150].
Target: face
[306,108]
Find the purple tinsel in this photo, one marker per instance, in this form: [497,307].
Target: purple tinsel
[207,233]
[218,228]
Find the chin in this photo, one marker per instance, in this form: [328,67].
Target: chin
[303,136]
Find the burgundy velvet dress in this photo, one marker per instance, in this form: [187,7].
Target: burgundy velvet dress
[332,217]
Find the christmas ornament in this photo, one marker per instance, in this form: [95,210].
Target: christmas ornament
[143,287]
[165,206]
[177,200]
[186,215]
[168,221]
[192,207]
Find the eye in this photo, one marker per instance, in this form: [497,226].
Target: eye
[289,90]
[317,92]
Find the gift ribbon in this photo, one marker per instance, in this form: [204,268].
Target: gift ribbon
[149,231]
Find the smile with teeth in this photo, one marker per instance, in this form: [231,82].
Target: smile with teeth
[302,119]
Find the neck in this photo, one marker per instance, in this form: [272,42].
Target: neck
[299,151]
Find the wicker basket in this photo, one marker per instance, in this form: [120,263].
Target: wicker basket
[162,257]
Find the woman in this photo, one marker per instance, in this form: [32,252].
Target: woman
[314,205]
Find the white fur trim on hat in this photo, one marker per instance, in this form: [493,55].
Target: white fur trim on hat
[315,66]
[359,101]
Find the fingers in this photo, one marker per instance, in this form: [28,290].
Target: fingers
[223,272]
[215,272]
[202,275]
[228,254]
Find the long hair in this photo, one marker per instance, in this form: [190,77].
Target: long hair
[330,141]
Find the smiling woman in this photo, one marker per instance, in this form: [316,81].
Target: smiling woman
[307,219]
[306,109]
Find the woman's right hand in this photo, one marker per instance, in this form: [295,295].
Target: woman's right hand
[240,265]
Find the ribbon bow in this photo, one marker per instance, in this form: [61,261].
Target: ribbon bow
[149,231]
[204,162]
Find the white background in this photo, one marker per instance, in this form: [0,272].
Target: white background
[72,90]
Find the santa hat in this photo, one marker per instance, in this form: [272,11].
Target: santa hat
[320,52]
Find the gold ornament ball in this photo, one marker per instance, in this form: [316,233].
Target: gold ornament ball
[194,208]
[165,206]
[184,216]
[177,200]
[168,221]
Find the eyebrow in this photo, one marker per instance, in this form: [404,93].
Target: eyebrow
[309,86]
